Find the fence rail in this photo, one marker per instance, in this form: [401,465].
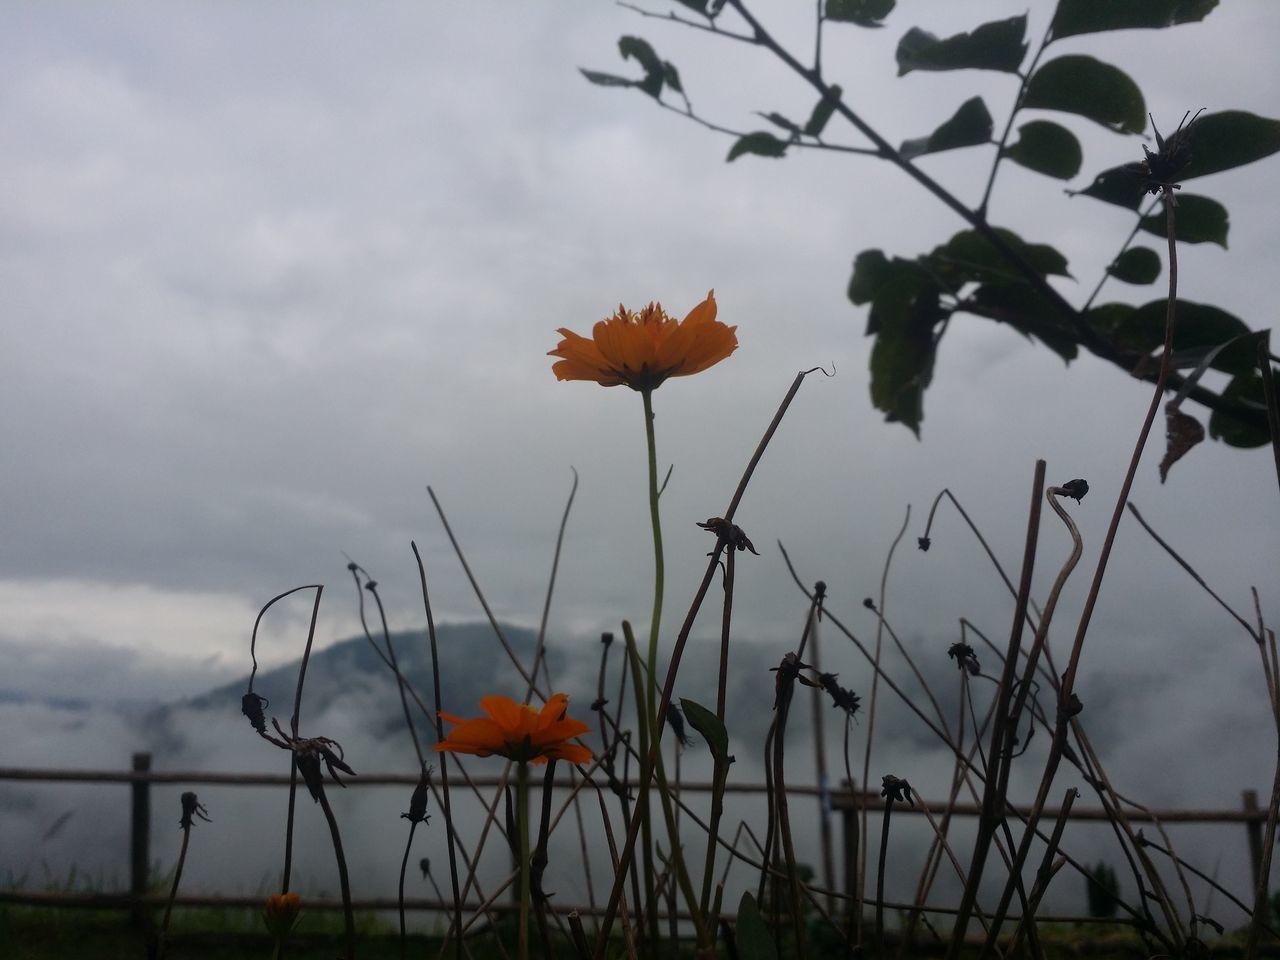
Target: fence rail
[842,800]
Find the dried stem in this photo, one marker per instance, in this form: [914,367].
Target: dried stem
[873,702]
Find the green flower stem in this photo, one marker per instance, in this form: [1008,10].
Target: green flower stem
[655,519]
[653,771]
[522,815]
[647,916]
[649,720]
[651,753]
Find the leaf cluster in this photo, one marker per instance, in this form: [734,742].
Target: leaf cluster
[988,271]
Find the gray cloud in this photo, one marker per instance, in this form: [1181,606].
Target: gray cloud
[265,277]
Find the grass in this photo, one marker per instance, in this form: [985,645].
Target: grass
[45,933]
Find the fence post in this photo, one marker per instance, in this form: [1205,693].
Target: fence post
[140,834]
[1254,830]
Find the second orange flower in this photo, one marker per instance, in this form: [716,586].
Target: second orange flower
[643,348]
[518,732]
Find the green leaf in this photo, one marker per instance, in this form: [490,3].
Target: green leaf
[607,79]
[1207,355]
[754,941]
[1092,16]
[1198,327]
[1117,186]
[1136,265]
[1046,147]
[999,45]
[904,315]
[762,143]
[1110,320]
[710,727]
[873,271]
[1090,88]
[1027,311]
[1196,220]
[1246,387]
[654,70]
[864,13]
[1232,138]
[968,127]
[698,6]
[976,259]
[671,76]
[778,120]
[822,111]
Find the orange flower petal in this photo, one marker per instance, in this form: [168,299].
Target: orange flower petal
[518,731]
[642,349]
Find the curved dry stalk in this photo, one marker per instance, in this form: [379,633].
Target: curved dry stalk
[287,872]
[1019,703]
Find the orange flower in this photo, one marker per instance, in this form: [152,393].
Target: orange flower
[643,349]
[518,731]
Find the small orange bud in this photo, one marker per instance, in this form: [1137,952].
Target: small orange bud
[282,913]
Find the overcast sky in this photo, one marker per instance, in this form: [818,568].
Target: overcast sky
[266,271]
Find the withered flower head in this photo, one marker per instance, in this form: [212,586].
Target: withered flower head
[641,349]
[518,732]
[309,754]
[924,543]
[841,699]
[1160,170]
[728,533]
[675,720]
[788,671]
[896,790]
[1075,489]
[965,658]
[251,705]
[418,802]
[1071,708]
[191,807]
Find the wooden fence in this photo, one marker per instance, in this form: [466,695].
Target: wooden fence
[843,802]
